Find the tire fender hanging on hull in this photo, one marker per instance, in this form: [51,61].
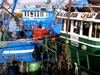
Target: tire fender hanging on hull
[37,51]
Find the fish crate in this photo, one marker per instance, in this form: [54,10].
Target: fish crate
[38,32]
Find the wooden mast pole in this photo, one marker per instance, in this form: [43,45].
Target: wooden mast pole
[67,27]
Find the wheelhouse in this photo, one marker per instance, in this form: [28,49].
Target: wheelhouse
[84,29]
[41,17]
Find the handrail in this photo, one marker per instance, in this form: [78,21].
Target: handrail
[87,58]
[86,52]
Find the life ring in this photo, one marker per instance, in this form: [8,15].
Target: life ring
[21,25]
[32,25]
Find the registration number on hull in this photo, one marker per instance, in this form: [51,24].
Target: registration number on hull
[74,44]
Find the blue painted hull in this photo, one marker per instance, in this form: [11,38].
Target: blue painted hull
[19,50]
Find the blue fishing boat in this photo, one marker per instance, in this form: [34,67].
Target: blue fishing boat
[36,21]
[41,17]
[25,43]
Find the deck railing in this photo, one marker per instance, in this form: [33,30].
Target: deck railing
[87,58]
[84,59]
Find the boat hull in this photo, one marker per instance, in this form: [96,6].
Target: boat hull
[88,58]
[21,50]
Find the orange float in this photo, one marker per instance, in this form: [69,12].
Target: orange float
[33,24]
[21,25]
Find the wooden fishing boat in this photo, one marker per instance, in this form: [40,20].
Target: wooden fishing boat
[83,39]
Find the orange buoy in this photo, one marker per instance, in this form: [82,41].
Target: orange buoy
[32,25]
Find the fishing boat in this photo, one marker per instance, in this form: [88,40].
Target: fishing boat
[83,40]
[24,45]
[42,17]
[40,20]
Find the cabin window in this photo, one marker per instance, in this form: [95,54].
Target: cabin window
[76,27]
[86,26]
[37,14]
[64,25]
[31,14]
[27,14]
[34,14]
[96,30]
[42,14]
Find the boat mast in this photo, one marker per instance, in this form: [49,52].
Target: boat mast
[3,16]
[10,16]
[67,27]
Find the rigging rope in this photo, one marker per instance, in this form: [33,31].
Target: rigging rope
[6,2]
[19,2]
[62,1]
[48,2]
[71,3]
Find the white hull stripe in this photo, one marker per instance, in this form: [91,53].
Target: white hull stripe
[19,51]
[81,42]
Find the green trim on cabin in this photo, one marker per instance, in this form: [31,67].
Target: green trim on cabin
[63,34]
[89,41]
[96,43]
[89,48]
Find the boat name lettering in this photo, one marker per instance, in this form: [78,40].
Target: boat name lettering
[74,38]
[88,15]
[74,15]
[66,14]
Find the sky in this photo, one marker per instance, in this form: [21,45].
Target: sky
[26,1]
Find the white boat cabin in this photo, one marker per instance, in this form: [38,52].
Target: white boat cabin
[31,12]
[82,24]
